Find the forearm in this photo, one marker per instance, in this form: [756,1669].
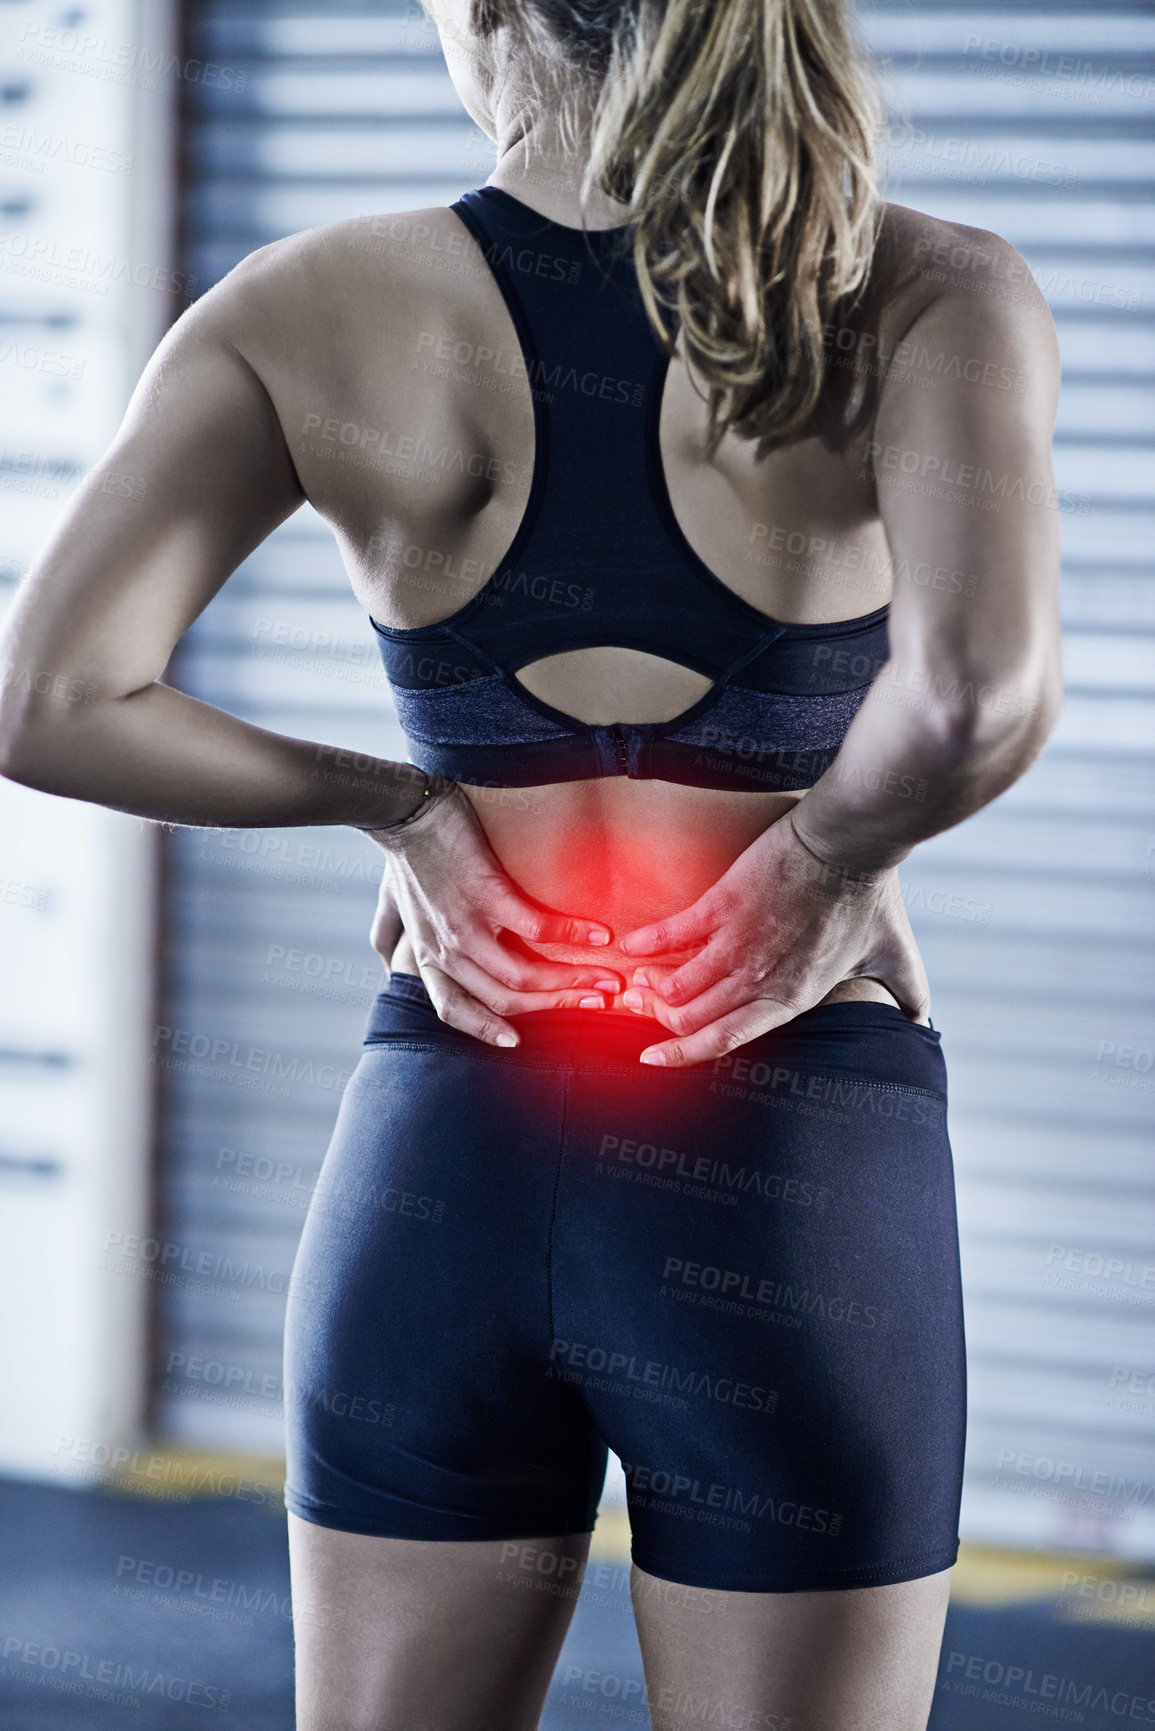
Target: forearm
[161,754]
[913,765]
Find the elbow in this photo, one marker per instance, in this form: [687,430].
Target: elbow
[21,732]
[41,749]
[19,755]
[47,728]
[14,728]
[1010,721]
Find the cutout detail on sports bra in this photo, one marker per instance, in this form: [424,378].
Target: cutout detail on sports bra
[605,684]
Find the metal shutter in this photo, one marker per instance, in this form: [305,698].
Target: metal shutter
[1033,916]
[302,116]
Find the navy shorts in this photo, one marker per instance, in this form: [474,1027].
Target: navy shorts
[741,1277]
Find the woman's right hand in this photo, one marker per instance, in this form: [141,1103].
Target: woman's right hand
[445,887]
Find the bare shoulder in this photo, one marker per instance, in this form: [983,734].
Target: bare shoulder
[968,289]
[387,271]
[941,301]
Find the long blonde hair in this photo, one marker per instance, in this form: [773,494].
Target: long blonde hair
[742,135]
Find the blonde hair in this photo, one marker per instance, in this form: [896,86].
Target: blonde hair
[742,135]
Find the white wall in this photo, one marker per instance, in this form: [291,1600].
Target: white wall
[86,166]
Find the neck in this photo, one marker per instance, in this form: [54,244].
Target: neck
[537,169]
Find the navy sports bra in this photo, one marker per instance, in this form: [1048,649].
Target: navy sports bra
[599,559]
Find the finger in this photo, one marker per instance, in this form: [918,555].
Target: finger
[542,925]
[459,1010]
[701,972]
[691,925]
[643,1002]
[653,975]
[521,973]
[732,993]
[645,998]
[504,1002]
[728,994]
[720,1037]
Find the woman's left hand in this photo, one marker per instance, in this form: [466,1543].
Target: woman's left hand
[777,930]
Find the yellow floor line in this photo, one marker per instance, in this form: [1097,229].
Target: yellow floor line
[178,1474]
[1079,1588]
[611,1540]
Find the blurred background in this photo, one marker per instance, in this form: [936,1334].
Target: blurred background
[180,1010]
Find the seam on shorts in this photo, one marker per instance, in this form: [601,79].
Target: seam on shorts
[553,1211]
[884,1087]
[853,1076]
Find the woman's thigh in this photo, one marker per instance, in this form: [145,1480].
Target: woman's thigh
[864,1659]
[429,1636]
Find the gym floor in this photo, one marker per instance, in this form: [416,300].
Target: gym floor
[152,1598]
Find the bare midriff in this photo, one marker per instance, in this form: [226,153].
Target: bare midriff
[624,853]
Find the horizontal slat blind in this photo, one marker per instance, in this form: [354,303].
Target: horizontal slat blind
[1037,124]
[1034,916]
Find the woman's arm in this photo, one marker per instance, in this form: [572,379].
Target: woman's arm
[964,704]
[967,496]
[197,476]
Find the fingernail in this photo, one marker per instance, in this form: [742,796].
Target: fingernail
[632,1000]
[590,1004]
[606,985]
[599,935]
[641,978]
[507,1039]
[653,1055]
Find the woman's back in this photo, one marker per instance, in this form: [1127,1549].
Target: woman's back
[392,361]
[395,368]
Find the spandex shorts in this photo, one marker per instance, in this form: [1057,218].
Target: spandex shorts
[742,1277]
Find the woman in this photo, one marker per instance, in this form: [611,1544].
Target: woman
[693,644]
